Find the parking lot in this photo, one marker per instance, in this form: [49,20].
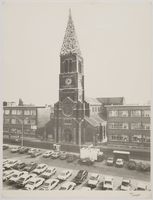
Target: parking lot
[99,167]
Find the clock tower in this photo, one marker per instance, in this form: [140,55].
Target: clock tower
[69,111]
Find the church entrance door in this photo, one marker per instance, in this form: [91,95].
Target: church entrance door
[68,136]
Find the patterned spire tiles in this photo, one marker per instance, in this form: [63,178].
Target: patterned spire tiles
[70,43]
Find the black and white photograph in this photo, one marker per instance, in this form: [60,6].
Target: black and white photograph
[76,92]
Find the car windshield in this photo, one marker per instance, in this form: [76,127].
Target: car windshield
[93,178]
[108,182]
[15,175]
[21,179]
[39,167]
[124,183]
[31,183]
[49,171]
[110,159]
[62,188]
[46,184]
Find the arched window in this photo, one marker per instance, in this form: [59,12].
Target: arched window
[80,67]
[70,65]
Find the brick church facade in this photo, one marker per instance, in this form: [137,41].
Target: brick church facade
[73,121]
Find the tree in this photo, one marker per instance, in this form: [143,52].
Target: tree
[20,102]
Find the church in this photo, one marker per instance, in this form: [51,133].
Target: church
[77,119]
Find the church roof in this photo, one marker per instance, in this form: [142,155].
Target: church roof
[70,43]
[111,100]
[92,101]
[94,120]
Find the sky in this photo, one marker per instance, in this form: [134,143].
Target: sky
[114,38]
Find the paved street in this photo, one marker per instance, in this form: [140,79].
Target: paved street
[99,167]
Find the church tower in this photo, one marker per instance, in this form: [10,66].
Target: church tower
[69,111]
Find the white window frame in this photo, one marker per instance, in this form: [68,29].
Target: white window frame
[6,111]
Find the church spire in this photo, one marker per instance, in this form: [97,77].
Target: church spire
[70,43]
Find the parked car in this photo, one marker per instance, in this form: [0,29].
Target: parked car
[55,155]
[34,183]
[10,164]
[35,154]
[48,154]
[93,180]
[8,174]
[19,165]
[31,150]
[125,185]
[23,150]
[48,173]
[15,149]
[40,169]
[107,183]
[5,146]
[63,155]
[31,166]
[86,161]
[70,158]
[22,181]
[110,161]
[15,177]
[119,162]
[68,186]
[80,177]
[65,174]
[141,187]
[5,161]
[50,184]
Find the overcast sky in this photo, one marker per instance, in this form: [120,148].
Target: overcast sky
[114,38]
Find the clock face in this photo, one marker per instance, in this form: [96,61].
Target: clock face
[68,81]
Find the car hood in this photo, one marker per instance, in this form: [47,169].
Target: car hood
[125,188]
[92,182]
[108,185]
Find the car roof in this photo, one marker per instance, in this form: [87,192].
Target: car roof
[119,159]
[108,178]
[41,164]
[142,185]
[126,180]
[51,180]
[94,175]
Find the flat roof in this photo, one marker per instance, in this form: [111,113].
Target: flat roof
[25,106]
[129,105]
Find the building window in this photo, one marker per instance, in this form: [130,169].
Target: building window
[26,121]
[6,121]
[92,109]
[7,112]
[136,126]
[147,139]
[118,125]
[13,112]
[32,122]
[113,113]
[6,129]
[13,121]
[122,138]
[123,113]
[146,113]
[135,113]
[19,112]
[137,138]
[80,67]
[33,112]
[146,126]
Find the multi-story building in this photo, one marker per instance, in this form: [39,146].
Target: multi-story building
[128,124]
[26,118]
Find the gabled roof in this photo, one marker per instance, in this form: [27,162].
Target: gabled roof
[70,43]
[111,100]
[94,120]
[92,101]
